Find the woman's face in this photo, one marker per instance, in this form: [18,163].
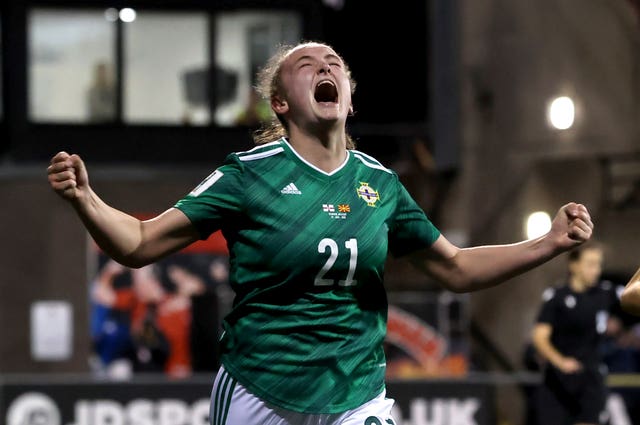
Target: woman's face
[315,87]
[588,268]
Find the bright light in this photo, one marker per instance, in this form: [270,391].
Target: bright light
[538,224]
[111,14]
[127,14]
[562,113]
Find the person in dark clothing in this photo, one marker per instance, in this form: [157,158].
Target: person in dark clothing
[568,335]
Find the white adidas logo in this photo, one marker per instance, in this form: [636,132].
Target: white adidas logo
[291,189]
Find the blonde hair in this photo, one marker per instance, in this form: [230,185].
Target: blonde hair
[269,85]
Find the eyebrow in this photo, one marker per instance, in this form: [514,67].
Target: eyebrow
[327,56]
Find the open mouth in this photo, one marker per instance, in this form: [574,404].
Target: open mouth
[326,91]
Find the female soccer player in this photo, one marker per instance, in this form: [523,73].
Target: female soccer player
[308,221]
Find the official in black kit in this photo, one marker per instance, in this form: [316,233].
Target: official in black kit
[568,334]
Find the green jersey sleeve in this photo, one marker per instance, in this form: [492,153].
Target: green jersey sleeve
[411,230]
[216,199]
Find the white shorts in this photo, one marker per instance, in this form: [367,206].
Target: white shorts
[232,404]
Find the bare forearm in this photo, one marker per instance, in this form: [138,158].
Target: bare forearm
[548,351]
[115,232]
[124,238]
[630,299]
[470,269]
[485,266]
[494,264]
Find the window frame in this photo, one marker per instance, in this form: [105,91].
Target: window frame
[172,143]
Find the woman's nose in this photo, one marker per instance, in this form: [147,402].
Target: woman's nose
[324,68]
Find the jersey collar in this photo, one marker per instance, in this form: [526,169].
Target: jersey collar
[312,167]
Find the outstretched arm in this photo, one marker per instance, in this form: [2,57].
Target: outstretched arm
[126,239]
[471,269]
[630,298]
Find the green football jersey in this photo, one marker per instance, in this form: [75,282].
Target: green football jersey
[307,252]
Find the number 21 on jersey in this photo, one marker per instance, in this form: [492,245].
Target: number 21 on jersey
[331,246]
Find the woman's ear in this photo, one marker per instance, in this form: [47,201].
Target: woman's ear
[279,105]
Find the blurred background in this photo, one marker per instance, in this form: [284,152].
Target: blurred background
[494,113]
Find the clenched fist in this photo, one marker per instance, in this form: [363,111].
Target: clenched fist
[68,176]
[571,226]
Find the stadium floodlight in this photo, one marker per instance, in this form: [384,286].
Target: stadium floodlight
[127,14]
[561,112]
[538,223]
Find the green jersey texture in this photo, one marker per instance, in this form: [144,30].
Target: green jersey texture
[307,252]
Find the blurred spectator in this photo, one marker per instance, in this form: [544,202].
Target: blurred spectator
[110,327]
[101,97]
[144,322]
[569,336]
[208,308]
[158,313]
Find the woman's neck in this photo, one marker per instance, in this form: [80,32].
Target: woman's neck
[326,153]
[578,285]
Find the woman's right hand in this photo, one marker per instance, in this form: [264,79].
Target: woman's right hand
[569,365]
[68,176]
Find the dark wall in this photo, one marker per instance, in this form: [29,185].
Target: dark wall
[387,50]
